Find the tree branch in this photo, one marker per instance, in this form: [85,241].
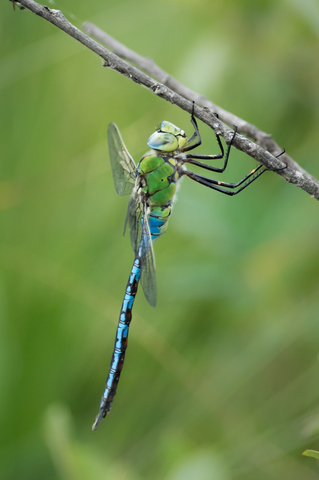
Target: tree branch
[148,65]
[171,90]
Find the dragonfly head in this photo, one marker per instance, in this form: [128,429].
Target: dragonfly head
[167,138]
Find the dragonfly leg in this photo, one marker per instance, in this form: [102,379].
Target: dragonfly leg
[199,140]
[190,158]
[223,186]
[196,133]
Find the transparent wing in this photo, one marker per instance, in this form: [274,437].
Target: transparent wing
[134,219]
[124,174]
[141,240]
[123,165]
[148,276]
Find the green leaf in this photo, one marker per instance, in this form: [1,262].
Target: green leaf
[311,453]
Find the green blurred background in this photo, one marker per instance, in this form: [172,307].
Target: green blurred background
[221,378]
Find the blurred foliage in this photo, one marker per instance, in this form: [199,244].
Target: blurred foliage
[220,380]
[311,453]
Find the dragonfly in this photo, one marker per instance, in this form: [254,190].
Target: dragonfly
[152,187]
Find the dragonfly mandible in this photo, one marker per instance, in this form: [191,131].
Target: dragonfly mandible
[152,187]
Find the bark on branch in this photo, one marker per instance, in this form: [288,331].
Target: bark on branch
[168,88]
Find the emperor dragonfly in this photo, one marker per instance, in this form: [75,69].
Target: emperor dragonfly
[152,185]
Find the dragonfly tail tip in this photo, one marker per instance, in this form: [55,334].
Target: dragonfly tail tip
[96,423]
[101,414]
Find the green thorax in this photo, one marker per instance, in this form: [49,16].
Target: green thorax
[158,176]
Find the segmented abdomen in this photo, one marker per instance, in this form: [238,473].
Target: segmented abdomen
[120,344]
[159,217]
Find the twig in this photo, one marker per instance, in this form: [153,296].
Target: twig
[149,66]
[293,173]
